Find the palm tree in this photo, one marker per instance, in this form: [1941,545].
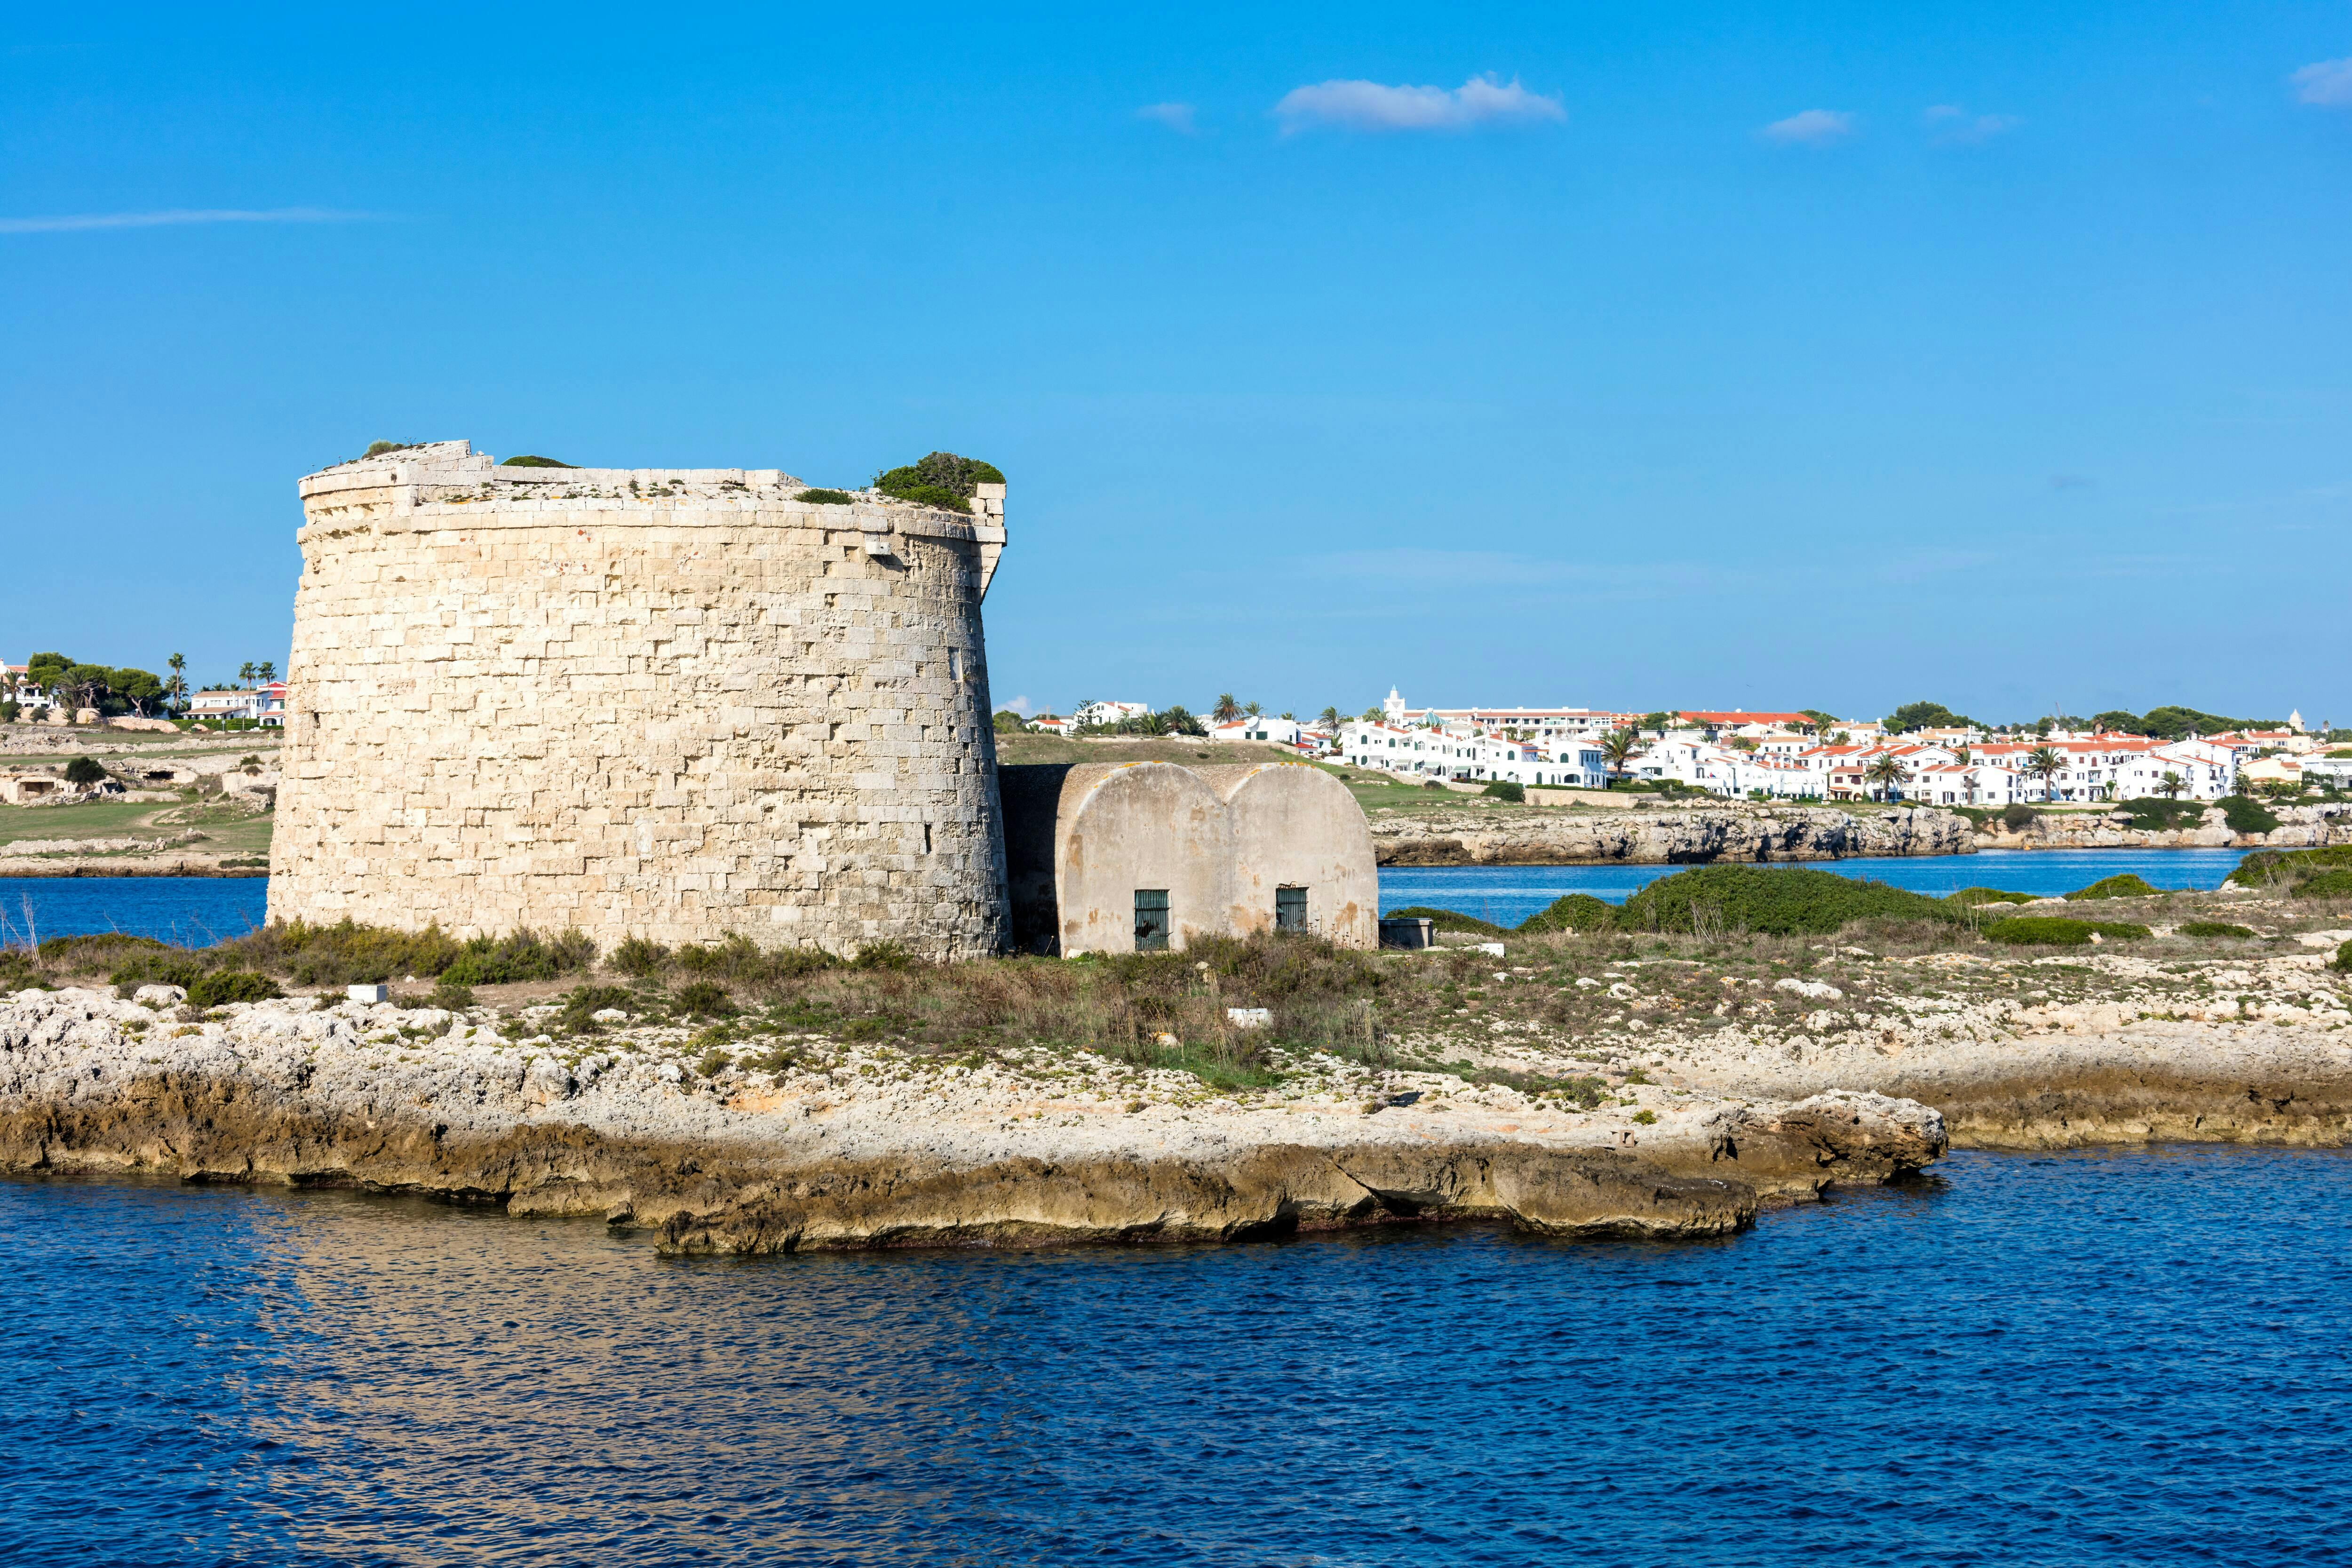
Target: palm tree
[2043,762]
[178,664]
[1252,709]
[244,672]
[1227,710]
[2170,785]
[1372,715]
[1618,750]
[266,671]
[1961,756]
[1887,772]
[1330,718]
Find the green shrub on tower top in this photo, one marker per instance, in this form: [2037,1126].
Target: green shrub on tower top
[941,479]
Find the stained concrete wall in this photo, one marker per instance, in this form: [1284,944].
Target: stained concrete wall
[675,703]
[1081,839]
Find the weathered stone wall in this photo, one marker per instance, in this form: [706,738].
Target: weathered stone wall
[669,703]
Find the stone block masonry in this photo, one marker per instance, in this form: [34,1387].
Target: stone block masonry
[670,703]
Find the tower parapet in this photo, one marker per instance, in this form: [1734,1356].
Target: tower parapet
[676,703]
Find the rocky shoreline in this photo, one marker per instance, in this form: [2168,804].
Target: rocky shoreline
[1471,835]
[871,1150]
[1732,832]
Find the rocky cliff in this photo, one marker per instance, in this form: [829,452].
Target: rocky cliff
[2300,827]
[1489,836]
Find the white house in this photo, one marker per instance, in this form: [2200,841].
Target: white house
[1052,724]
[1109,712]
[1259,727]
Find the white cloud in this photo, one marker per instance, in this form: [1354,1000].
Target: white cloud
[1813,128]
[1372,106]
[176,216]
[1175,116]
[1954,125]
[2326,82]
[1018,705]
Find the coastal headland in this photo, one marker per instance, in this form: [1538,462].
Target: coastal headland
[1604,1080]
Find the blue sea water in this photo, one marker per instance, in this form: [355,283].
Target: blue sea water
[194,911]
[198,910]
[1506,895]
[2126,1359]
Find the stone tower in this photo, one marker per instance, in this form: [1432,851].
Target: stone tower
[669,703]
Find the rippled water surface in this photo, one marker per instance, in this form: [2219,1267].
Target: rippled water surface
[2125,1359]
[194,911]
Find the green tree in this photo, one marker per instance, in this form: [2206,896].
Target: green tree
[1822,721]
[45,669]
[2043,762]
[1617,751]
[1227,710]
[1661,721]
[1179,720]
[85,772]
[1252,709]
[136,687]
[2170,785]
[1926,716]
[84,685]
[1329,718]
[245,673]
[2119,720]
[268,672]
[178,686]
[1373,714]
[1887,773]
[1006,721]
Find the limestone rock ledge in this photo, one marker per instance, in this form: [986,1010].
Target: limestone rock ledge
[1473,836]
[364,1097]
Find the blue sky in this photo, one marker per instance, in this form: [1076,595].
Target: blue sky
[1715,357]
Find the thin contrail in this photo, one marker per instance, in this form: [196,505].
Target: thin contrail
[177,215]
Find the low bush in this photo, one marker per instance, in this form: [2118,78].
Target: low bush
[1446,921]
[2285,868]
[344,954]
[378,449]
[524,955]
[1715,901]
[2031,930]
[2216,928]
[941,479]
[101,950]
[2154,814]
[704,999]
[1971,898]
[168,967]
[1505,789]
[2342,959]
[223,987]
[1577,912]
[582,1005]
[884,955]
[824,497]
[454,994]
[2326,885]
[2124,885]
[638,958]
[2018,816]
[2246,815]
[529,462]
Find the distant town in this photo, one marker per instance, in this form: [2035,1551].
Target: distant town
[53,688]
[1922,754]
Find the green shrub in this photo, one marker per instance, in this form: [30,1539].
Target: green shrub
[1577,912]
[524,955]
[2245,814]
[454,994]
[2215,928]
[941,479]
[638,958]
[884,955]
[824,497]
[99,950]
[1505,789]
[2018,816]
[1780,901]
[85,771]
[169,967]
[2031,931]
[378,449]
[704,999]
[17,972]
[344,954]
[2123,886]
[223,987]
[1969,898]
[2342,959]
[528,461]
[582,1005]
[2154,814]
[2326,885]
[2282,867]
[1447,920]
